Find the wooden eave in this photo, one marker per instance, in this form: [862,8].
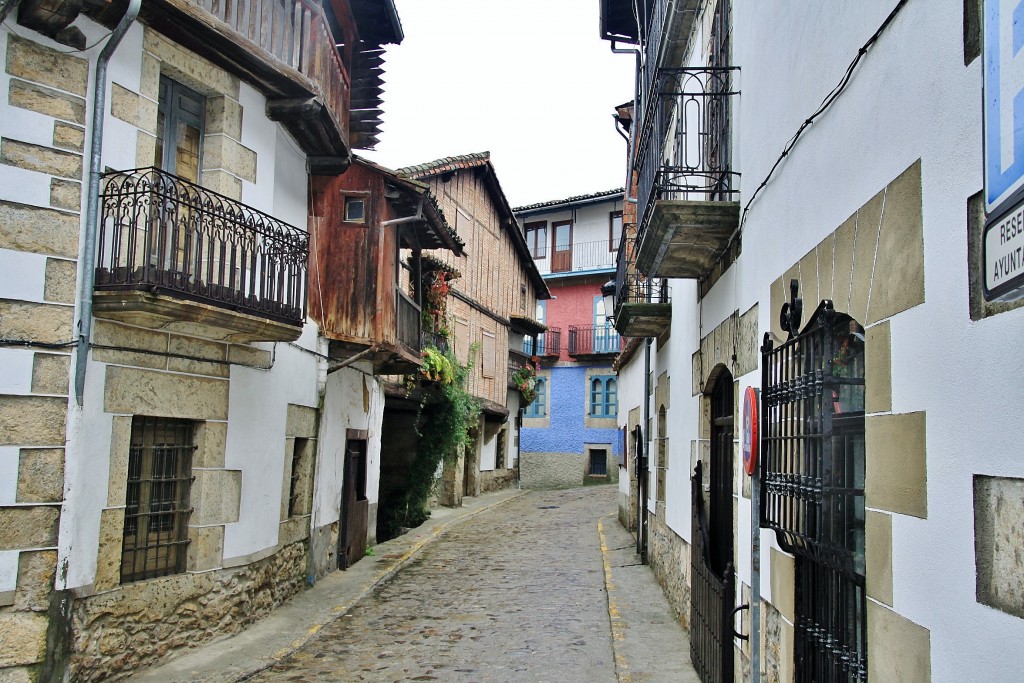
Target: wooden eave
[524,325]
[684,239]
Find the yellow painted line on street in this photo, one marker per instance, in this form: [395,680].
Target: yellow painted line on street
[614,615]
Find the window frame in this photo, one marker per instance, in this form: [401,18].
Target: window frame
[147,446]
[603,396]
[539,407]
[613,239]
[536,234]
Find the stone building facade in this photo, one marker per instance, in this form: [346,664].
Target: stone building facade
[863,237]
[491,305]
[570,434]
[169,433]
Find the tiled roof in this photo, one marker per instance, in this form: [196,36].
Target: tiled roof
[571,200]
[446,164]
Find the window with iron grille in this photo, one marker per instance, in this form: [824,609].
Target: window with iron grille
[598,462]
[157,508]
[539,407]
[604,396]
[812,488]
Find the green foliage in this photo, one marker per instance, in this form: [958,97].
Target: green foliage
[446,416]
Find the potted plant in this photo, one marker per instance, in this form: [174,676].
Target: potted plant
[525,379]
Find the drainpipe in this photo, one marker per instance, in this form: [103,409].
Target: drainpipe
[636,107]
[87,250]
[6,7]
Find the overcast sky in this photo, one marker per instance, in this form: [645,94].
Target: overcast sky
[529,81]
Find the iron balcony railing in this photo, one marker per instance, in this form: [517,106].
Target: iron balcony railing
[683,147]
[580,256]
[160,232]
[516,362]
[548,344]
[631,286]
[297,34]
[408,322]
[585,340]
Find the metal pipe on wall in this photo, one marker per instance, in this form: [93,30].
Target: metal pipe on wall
[87,248]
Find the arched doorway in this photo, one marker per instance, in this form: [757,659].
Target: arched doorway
[711,554]
[813,435]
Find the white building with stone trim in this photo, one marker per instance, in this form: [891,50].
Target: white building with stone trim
[174,433]
[837,150]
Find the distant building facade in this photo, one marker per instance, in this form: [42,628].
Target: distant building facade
[570,432]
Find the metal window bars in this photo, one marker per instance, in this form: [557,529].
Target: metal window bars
[157,508]
[163,233]
[812,479]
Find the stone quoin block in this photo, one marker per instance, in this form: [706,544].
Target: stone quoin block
[66,194]
[46,101]
[60,283]
[28,527]
[50,373]
[32,420]
[38,230]
[149,392]
[40,475]
[42,159]
[37,322]
[34,62]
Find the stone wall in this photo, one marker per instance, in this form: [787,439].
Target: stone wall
[551,470]
[495,480]
[142,623]
[669,557]
[41,146]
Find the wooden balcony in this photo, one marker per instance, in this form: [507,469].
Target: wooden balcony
[175,256]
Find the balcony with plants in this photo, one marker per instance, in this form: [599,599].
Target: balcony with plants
[173,255]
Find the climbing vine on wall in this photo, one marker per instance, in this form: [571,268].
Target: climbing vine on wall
[447,413]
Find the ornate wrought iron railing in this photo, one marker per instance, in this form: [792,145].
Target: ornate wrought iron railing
[548,343]
[160,232]
[683,147]
[587,340]
[812,484]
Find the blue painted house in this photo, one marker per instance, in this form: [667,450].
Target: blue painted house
[569,434]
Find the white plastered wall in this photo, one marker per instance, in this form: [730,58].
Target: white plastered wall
[912,97]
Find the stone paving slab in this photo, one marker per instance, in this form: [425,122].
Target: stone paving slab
[649,643]
[290,626]
[301,639]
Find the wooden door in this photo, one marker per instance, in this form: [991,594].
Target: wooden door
[561,243]
[355,506]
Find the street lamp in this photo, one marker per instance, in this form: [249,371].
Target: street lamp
[608,293]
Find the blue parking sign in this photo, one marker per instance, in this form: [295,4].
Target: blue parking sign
[1004,101]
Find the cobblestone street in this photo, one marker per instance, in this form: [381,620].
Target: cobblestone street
[516,594]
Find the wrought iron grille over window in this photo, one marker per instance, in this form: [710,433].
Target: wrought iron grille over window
[812,482]
[157,498]
[161,232]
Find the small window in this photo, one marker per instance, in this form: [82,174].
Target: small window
[598,462]
[157,507]
[537,239]
[604,396]
[614,230]
[539,407]
[487,351]
[355,210]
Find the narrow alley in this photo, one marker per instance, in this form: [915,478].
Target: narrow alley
[532,589]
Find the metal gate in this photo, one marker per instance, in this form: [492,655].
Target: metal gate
[812,484]
[713,586]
